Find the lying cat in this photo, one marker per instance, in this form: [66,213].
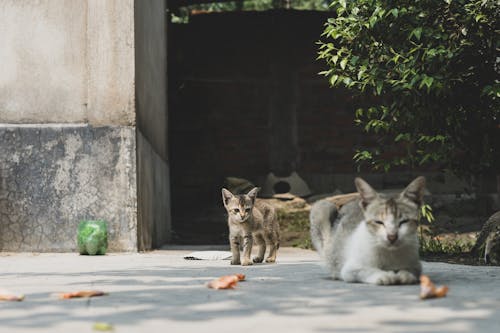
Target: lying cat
[250,219]
[372,239]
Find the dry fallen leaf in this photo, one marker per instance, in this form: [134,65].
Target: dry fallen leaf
[429,290]
[6,295]
[82,293]
[226,282]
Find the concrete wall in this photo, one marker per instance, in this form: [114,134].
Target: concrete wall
[152,123]
[67,122]
[67,61]
[53,176]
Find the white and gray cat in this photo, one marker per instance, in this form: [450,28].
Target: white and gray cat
[250,219]
[372,239]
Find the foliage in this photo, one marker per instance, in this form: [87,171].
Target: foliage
[251,5]
[427,73]
[426,213]
[453,246]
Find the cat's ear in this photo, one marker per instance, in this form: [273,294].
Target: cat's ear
[367,193]
[253,193]
[415,191]
[226,195]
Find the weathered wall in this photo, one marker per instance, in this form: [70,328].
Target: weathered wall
[67,61]
[67,122]
[154,220]
[51,177]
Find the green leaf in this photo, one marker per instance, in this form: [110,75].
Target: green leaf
[394,12]
[343,63]
[333,79]
[427,81]
[417,32]
[361,71]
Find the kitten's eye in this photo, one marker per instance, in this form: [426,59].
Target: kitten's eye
[379,222]
[403,222]
[236,211]
[247,210]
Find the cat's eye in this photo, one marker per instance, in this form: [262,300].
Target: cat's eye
[379,222]
[403,222]
[236,211]
[247,210]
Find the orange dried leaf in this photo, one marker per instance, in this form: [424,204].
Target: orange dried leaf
[441,291]
[82,293]
[226,282]
[429,290]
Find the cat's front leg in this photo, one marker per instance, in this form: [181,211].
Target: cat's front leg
[247,250]
[406,277]
[261,245]
[369,275]
[234,241]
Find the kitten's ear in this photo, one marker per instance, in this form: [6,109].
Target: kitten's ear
[415,191]
[226,195]
[253,193]
[367,193]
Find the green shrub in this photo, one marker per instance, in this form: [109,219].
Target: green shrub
[427,73]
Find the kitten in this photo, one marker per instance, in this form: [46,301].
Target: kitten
[372,239]
[251,219]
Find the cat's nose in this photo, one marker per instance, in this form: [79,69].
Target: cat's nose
[392,238]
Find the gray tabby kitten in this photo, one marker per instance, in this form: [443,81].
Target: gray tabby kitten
[251,219]
[372,239]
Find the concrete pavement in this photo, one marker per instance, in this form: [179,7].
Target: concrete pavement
[161,292]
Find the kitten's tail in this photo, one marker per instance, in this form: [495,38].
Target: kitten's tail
[323,214]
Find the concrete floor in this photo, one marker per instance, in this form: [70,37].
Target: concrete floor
[160,291]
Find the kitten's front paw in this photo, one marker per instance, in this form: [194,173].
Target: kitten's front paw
[406,277]
[258,260]
[270,260]
[384,278]
[235,262]
[246,263]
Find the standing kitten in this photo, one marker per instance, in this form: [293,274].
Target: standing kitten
[250,219]
[372,239]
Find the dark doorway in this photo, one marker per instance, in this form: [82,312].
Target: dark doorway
[246,99]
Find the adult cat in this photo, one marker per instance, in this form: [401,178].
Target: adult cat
[372,239]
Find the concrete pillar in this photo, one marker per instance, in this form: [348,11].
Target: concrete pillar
[68,115]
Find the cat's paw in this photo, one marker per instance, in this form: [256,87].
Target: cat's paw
[246,263]
[406,277]
[258,260]
[384,278]
[235,262]
[270,260]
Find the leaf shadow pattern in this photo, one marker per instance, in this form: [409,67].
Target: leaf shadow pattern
[288,292]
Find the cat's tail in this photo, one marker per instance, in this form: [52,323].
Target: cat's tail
[323,214]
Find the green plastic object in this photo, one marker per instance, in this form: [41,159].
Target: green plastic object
[93,237]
